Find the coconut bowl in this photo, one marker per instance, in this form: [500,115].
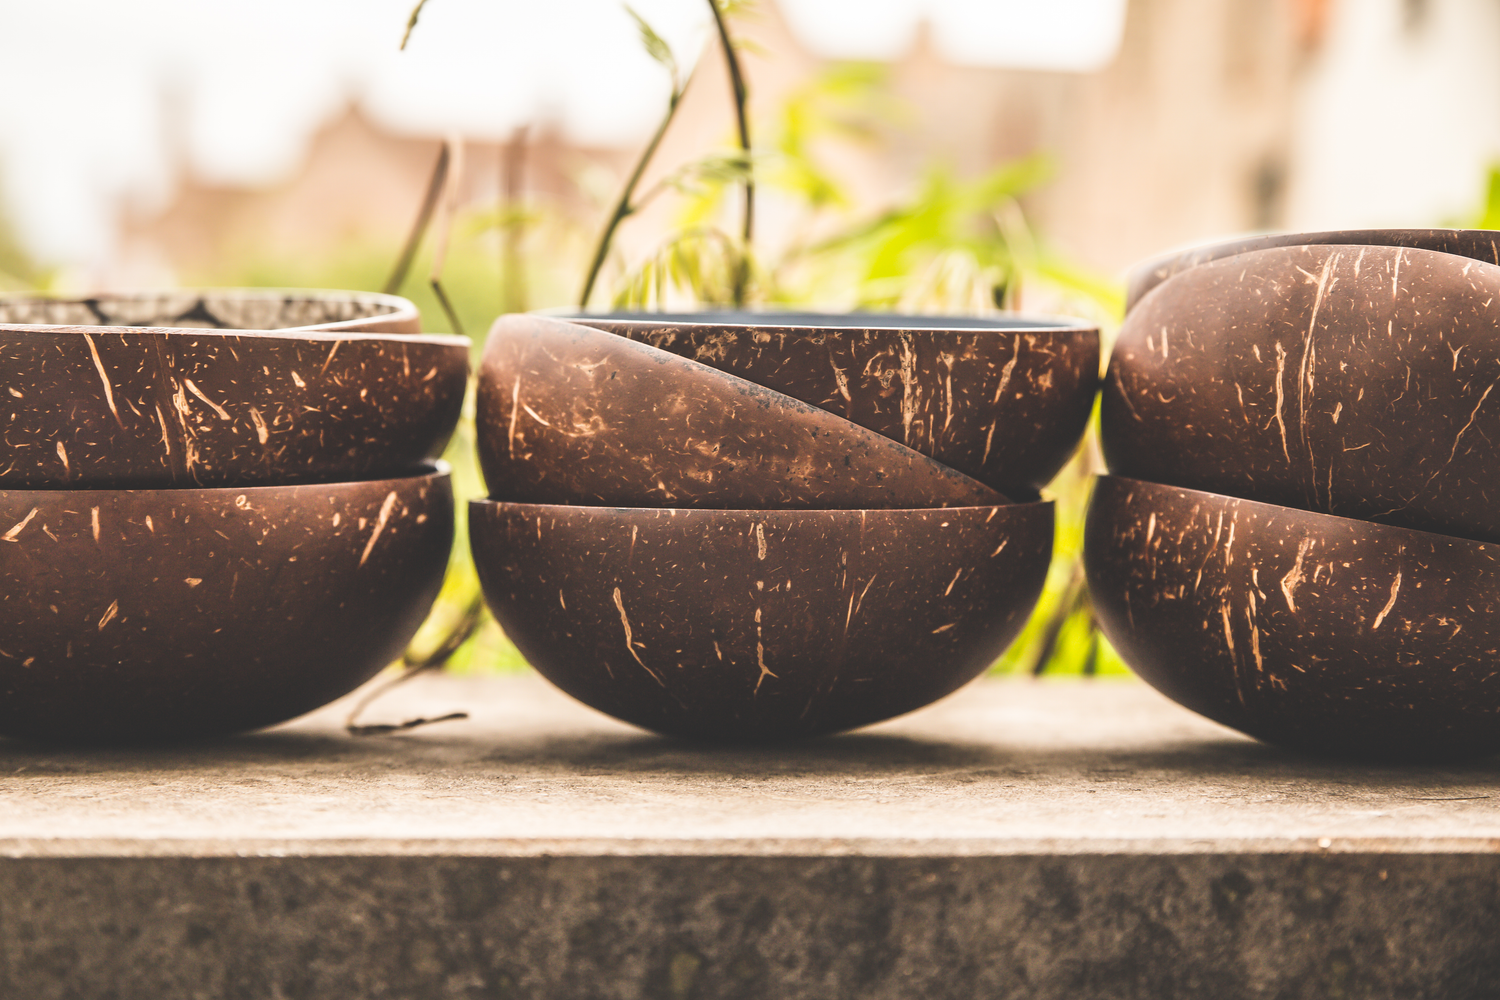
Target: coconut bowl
[162,615]
[1478,244]
[1352,380]
[319,392]
[1315,632]
[571,414]
[739,625]
[1003,400]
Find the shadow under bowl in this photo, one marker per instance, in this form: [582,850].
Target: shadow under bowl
[1352,380]
[328,387]
[741,625]
[1319,633]
[1002,399]
[569,414]
[165,615]
[1476,244]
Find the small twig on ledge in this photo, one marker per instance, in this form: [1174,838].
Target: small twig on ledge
[456,637]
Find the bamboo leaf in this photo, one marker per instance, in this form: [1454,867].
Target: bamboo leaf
[656,47]
[411,22]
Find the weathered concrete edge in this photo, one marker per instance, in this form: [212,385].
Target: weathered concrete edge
[19,848]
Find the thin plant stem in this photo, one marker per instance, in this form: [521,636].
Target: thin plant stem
[741,97]
[411,22]
[624,208]
[419,228]
[445,233]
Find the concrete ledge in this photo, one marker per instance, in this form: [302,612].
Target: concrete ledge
[1060,839]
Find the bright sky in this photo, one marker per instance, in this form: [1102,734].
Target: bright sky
[85,84]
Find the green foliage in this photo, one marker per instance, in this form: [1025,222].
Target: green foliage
[955,245]
[1489,216]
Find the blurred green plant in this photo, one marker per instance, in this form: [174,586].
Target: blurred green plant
[1489,215]
[952,245]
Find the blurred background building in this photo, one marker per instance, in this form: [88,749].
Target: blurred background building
[290,141]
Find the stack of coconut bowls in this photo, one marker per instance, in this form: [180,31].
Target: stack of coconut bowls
[752,527]
[217,510]
[1301,535]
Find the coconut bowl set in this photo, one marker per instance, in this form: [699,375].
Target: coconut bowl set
[220,510]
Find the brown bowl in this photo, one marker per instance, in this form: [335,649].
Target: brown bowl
[1352,380]
[1478,244]
[759,625]
[1316,632]
[156,615]
[571,414]
[127,406]
[1001,399]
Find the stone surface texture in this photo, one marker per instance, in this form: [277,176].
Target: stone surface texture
[759,625]
[572,415]
[151,615]
[1057,839]
[132,406]
[1353,380]
[1477,244]
[1324,633]
[1002,399]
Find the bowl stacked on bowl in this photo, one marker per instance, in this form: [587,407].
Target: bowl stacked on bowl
[751,527]
[1300,538]
[218,510]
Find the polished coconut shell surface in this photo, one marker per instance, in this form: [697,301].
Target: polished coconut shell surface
[143,407]
[1312,631]
[571,414]
[1478,244]
[1353,380]
[157,615]
[1002,399]
[759,625]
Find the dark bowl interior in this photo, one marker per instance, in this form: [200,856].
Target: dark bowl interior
[1477,244]
[1353,380]
[741,625]
[220,309]
[571,414]
[1003,399]
[1321,633]
[164,615]
[144,407]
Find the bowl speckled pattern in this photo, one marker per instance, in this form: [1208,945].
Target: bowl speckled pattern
[1320,633]
[161,615]
[760,625]
[333,388]
[1001,399]
[570,414]
[1353,380]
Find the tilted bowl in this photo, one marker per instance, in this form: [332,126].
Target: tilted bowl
[571,414]
[153,615]
[1352,380]
[1308,630]
[333,387]
[1478,244]
[759,625]
[1002,399]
